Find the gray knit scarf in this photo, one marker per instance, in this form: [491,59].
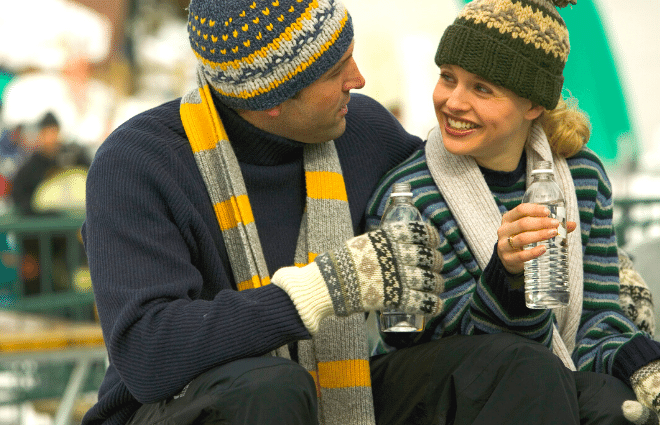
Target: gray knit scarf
[472,204]
[337,356]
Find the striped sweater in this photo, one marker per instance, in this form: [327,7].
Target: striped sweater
[489,301]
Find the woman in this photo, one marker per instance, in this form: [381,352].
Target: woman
[499,110]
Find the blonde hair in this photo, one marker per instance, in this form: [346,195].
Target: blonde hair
[567,128]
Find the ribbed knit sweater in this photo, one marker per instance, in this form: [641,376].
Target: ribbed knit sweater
[165,293]
[491,300]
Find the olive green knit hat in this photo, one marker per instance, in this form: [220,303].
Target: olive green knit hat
[521,45]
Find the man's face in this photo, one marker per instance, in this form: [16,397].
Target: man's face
[318,112]
[49,140]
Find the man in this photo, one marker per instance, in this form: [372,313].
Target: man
[269,163]
[50,157]
[40,164]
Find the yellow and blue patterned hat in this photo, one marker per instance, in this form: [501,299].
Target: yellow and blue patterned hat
[258,53]
[518,44]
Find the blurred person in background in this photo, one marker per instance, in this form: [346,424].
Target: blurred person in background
[84,105]
[12,142]
[49,160]
[55,68]
[13,152]
[50,157]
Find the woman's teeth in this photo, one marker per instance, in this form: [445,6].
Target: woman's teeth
[460,125]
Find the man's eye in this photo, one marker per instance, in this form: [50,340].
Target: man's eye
[335,73]
[445,76]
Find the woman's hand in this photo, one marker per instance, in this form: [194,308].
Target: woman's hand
[523,225]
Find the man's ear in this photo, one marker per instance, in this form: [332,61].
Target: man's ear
[274,111]
[255,117]
[534,112]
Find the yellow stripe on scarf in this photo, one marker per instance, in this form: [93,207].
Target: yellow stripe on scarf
[310,257]
[233,211]
[325,185]
[204,130]
[344,373]
[255,282]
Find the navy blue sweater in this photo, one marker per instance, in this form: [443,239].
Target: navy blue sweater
[165,293]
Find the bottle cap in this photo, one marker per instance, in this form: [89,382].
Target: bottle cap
[542,167]
[401,189]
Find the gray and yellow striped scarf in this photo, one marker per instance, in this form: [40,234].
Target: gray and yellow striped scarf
[337,356]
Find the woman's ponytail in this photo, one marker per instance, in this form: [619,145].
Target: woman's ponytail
[567,128]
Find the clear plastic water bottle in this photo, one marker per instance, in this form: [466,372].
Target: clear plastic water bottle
[546,277]
[400,208]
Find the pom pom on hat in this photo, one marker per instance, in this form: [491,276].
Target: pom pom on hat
[564,3]
[256,54]
[521,45]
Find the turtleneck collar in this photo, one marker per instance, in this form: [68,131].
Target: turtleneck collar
[254,146]
[505,178]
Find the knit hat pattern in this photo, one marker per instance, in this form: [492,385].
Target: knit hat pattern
[257,54]
[521,45]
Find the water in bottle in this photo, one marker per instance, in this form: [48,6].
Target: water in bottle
[546,277]
[400,208]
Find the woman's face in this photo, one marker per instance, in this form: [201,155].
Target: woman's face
[482,120]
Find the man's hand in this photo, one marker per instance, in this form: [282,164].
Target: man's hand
[395,267]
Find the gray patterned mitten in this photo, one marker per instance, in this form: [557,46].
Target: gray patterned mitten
[394,267]
[646,384]
[635,295]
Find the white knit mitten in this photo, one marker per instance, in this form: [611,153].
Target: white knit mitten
[646,384]
[395,267]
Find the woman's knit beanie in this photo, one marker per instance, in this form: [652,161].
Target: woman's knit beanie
[521,45]
[257,54]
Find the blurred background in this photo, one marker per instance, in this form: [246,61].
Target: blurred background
[71,71]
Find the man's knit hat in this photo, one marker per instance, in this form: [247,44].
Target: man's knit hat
[521,45]
[258,53]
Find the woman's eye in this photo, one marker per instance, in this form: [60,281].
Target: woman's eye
[483,89]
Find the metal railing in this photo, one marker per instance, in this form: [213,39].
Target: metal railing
[58,362]
[636,219]
[60,286]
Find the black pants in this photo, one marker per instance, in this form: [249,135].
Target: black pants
[252,391]
[489,379]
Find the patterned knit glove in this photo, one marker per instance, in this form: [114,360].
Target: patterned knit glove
[394,267]
[646,384]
